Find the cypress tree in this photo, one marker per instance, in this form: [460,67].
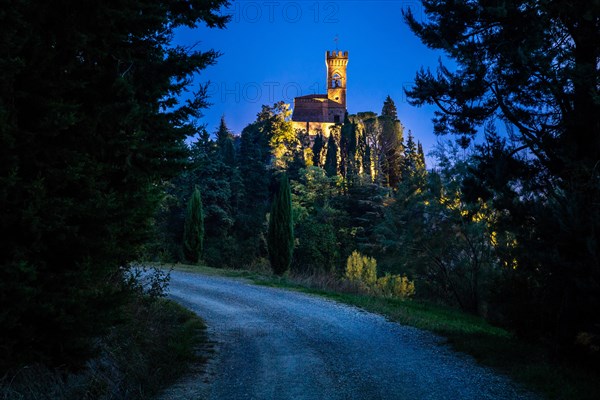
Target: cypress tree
[224,140]
[331,157]
[280,237]
[348,146]
[317,149]
[193,234]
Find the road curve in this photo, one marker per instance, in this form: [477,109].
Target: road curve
[277,344]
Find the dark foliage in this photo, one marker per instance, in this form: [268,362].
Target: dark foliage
[255,157]
[280,237]
[533,65]
[317,149]
[331,158]
[391,140]
[89,129]
[193,228]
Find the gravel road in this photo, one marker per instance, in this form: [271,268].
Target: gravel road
[277,344]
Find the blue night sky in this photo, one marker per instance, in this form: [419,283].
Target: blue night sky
[275,50]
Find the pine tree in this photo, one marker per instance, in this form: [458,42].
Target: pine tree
[193,234]
[224,140]
[411,157]
[223,132]
[421,156]
[280,237]
[389,109]
[413,169]
[419,169]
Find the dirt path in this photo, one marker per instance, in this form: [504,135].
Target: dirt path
[277,344]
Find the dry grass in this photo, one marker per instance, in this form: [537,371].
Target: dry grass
[137,359]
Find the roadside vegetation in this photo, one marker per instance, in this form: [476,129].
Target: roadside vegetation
[92,127]
[155,343]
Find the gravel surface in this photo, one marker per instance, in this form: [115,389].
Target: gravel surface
[277,344]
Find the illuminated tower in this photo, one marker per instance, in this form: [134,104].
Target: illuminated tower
[336,76]
[314,113]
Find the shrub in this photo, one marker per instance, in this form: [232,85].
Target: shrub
[395,286]
[317,249]
[362,271]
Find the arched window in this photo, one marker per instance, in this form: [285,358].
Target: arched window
[336,80]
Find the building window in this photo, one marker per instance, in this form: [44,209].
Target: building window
[336,119]
[336,80]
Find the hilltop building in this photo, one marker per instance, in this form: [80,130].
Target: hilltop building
[317,113]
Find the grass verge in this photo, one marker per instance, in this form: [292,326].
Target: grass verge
[527,363]
[149,351]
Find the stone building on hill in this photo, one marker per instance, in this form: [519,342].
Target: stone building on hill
[317,113]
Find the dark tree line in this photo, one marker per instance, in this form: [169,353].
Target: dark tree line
[532,66]
[90,128]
